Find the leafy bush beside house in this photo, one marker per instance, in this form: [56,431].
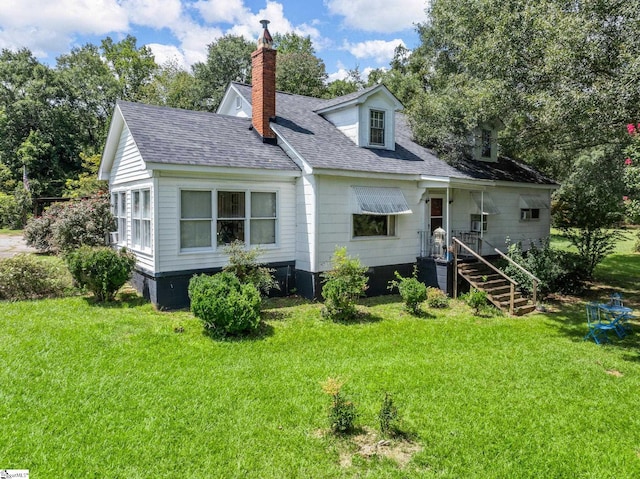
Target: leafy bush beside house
[344,283]
[103,271]
[64,227]
[226,306]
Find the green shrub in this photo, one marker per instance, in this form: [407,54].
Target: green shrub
[436,298]
[476,299]
[412,291]
[342,412]
[26,276]
[558,271]
[64,227]
[103,271]
[388,416]
[636,245]
[226,306]
[244,264]
[343,285]
[10,214]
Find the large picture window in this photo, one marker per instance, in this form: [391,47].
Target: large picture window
[243,216]
[374,225]
[195,219]
[141,219]
[376,129]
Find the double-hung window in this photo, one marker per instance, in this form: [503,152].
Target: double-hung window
[141,219]
[195,219]
[119,205]
[376,128]
[263,218]
[486,143]
[230,225]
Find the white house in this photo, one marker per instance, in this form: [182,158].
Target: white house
[299,176]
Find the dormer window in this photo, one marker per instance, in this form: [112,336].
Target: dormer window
[486,143]
[376,128]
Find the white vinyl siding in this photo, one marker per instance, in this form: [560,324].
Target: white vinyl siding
[128,165]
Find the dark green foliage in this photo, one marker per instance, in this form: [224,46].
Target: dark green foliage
[14,208]
[226,306]
[477,300]
[244,264]
[558,271]
[103,271]
[342,412]
[412,291]
[588,205]
[343,285]
[27,276]
[636,245]
[66,226]
[388,416]
[436,298]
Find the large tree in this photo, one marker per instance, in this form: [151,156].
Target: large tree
[298,69]
[562,75]
[228,59]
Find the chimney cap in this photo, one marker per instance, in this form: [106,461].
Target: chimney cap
[265,40]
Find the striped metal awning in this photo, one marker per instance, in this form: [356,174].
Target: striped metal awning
[371,200]
[533,202]
[485,203]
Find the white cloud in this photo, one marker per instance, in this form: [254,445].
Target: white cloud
[226,11]
[341,74]
[44,26]
[165,53]
[379,15]
[381,51]
[64,16]
[153,13]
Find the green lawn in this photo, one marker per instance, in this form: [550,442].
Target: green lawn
[124,391]
[95,391]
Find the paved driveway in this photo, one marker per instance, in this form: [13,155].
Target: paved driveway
[11,245]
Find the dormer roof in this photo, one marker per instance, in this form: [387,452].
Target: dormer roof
[358,98]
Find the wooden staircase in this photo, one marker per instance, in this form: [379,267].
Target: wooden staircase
[497,287]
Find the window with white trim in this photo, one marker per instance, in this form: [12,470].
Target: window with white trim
[376,127]
[119,210]
[230,224]
[141,219]
[478,221]
[196,218]
[529,214]
[374,225]
[263,218]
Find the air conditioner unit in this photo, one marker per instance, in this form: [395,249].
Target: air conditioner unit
[475,226]
[113,237]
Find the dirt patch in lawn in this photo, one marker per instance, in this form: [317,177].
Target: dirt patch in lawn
[368,444]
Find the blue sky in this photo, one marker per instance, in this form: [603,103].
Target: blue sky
[345,33]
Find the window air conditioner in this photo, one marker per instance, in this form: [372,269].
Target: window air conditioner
[475,226]
[113,237]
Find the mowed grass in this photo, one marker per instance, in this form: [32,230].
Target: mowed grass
[125,391]
[114,391]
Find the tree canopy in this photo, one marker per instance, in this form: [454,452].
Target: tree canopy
[560,74]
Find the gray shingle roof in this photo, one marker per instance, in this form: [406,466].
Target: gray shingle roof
[322,145]
[183,137]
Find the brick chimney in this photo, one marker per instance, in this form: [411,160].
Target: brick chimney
[263,93]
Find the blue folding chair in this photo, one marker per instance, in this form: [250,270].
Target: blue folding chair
[598,326]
